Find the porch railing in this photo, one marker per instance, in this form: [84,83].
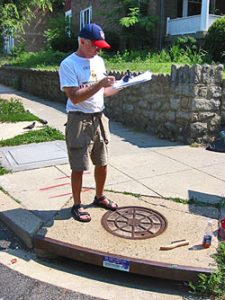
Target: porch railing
[185,25]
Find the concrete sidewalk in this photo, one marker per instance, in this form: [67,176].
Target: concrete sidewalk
[141,165]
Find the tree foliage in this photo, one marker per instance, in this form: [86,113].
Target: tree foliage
[132,17]
[59,39]
[14,14]
[134,20]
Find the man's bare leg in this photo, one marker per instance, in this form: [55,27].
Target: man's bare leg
[76,183]
[100,178]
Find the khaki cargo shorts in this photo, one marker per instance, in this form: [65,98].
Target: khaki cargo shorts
[87,138]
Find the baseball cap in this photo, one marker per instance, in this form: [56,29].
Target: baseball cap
[94,33]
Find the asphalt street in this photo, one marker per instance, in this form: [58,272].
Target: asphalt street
[16,286]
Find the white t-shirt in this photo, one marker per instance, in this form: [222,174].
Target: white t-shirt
[75,71]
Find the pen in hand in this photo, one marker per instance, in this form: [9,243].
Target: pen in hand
[118,89]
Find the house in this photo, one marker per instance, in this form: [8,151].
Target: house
[194,17]
[33,38]
[176,17]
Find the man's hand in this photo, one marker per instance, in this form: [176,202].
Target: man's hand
[79,94]
[107,81]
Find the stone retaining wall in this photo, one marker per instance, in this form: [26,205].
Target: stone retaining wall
[43,84]
[188,105]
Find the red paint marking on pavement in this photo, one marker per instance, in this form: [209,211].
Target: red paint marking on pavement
[64,177]
[66,194]
[54,186]
[61,195]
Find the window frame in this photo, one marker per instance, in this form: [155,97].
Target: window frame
[68,17]
[85,16]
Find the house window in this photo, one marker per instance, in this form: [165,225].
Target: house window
[194,7]
[85,16]
[68,16]
[8,44]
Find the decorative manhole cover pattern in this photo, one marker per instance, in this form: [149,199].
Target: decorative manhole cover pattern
[134,222]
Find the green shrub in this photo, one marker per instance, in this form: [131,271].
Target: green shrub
[185,50]
[59,39]
[3,171]
[18,49]
[38,60]
[215,40]
[213,285]
[186,43]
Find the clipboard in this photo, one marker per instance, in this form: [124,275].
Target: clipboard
[120,84]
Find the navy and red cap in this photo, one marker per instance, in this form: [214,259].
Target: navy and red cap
[94,33]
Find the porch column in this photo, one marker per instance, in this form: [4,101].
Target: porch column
[185,8]
[204,15]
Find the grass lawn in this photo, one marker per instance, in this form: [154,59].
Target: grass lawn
[13,111]
[135,61]
[45,134]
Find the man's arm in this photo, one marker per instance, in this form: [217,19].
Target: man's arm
[80,94]
[110,91]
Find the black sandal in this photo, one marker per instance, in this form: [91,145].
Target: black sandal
[78,214]
[98,202]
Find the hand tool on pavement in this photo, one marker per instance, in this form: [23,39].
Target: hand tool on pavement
[175,244]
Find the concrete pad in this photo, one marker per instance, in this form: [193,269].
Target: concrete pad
[216,170]
[137,138]
[125,141]
[31,156]
[193,157]
[132,187]
[116,148]
[120,146]
[146,165]
[190,184]
[114,176]
[42,191]
[116,181]
[22,222]
[10,130]
[73,239]
[206,211]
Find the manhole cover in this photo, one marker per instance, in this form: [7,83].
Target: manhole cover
[134,222]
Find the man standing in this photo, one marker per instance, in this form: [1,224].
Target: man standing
[83,79]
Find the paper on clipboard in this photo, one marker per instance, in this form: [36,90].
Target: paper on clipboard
[135,80]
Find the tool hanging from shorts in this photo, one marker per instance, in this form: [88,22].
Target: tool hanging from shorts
[103,131]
